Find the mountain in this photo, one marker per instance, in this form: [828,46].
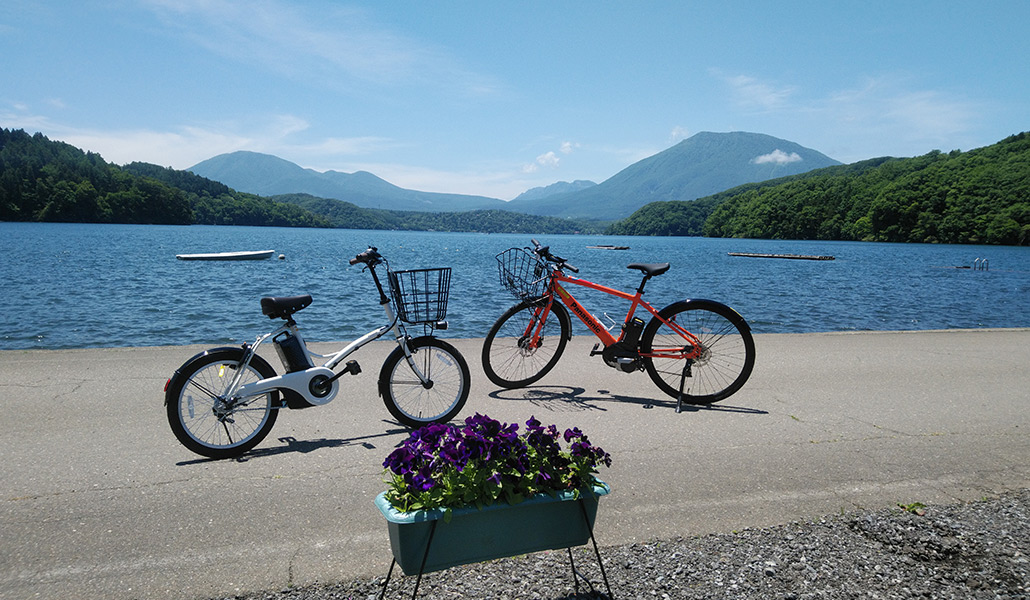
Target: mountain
[981,196]
[701,165]
[268,175]
[562,187]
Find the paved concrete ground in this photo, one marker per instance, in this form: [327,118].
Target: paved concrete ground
[97,499]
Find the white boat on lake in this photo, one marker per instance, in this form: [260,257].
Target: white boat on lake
[245,255]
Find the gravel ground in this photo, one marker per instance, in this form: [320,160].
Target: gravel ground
[965,551]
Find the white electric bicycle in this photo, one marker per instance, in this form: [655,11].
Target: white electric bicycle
[224,401]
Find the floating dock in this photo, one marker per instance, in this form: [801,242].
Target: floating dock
[609,247]
[790,256]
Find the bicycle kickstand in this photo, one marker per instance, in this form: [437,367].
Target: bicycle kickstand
[683,384]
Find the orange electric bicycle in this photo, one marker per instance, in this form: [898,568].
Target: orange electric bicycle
[697,351]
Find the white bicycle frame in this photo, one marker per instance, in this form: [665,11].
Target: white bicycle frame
[302,382]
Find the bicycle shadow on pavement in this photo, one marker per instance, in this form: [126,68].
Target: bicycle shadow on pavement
[292,444]
[562,397]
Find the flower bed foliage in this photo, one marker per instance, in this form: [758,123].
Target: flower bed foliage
[447,466]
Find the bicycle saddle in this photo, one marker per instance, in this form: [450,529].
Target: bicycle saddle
[280,308]
[651,270]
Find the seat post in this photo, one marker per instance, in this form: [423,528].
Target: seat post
[640,290]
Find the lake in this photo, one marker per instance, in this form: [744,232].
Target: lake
[85,286]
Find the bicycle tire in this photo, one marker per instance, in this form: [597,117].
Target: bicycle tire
[192,403]
[728,351]
[414,404]
[507,359]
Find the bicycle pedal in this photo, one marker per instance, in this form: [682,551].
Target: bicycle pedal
[595,351]
[352,367]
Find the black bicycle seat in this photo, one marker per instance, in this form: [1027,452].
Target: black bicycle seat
[280,308]
[651,270]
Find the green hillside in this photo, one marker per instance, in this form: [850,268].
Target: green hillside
[44,180]
[41,180]
[979,196]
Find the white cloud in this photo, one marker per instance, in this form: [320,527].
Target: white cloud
[568,147]
[679,133]
[778,157]
[549,159]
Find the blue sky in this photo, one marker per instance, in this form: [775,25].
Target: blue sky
[493,98]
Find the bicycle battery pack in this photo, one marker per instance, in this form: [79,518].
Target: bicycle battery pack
[291,353]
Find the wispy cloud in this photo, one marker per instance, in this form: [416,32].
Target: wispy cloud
[889,112]
[678,134]
[335,49]
[186,145]
[890,108]
[752,93]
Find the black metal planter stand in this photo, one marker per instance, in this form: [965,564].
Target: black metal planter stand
[576,575]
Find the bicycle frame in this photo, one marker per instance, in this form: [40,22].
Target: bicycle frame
[301,382]
[557,277]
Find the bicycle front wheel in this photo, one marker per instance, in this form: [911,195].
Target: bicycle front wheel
[513,356]
[204,419]
[416,404]
[727,353]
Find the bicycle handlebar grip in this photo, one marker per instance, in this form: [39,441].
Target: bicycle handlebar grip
[367,257]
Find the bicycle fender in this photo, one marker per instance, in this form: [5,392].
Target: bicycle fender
[174,379]
[702,303]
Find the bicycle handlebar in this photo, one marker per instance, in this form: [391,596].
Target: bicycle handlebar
[544,252]
[370,257]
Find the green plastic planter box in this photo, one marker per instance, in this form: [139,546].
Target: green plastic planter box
[475,535]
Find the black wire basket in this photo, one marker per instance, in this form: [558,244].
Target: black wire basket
[522,273]
[421,294]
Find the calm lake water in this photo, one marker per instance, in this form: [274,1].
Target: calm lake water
[83,286]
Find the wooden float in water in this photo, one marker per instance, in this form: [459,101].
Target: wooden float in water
[791,256]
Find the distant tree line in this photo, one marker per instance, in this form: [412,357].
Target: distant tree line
[979,196]
[347,215]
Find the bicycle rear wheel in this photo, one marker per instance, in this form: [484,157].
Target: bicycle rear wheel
[416,404]
[727,351]
[207,422]
[510,358]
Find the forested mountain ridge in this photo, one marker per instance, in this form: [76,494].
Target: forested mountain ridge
[44,180]
[978,196]
[350,216]
[41,180]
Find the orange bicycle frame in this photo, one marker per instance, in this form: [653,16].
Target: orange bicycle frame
[598,328]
